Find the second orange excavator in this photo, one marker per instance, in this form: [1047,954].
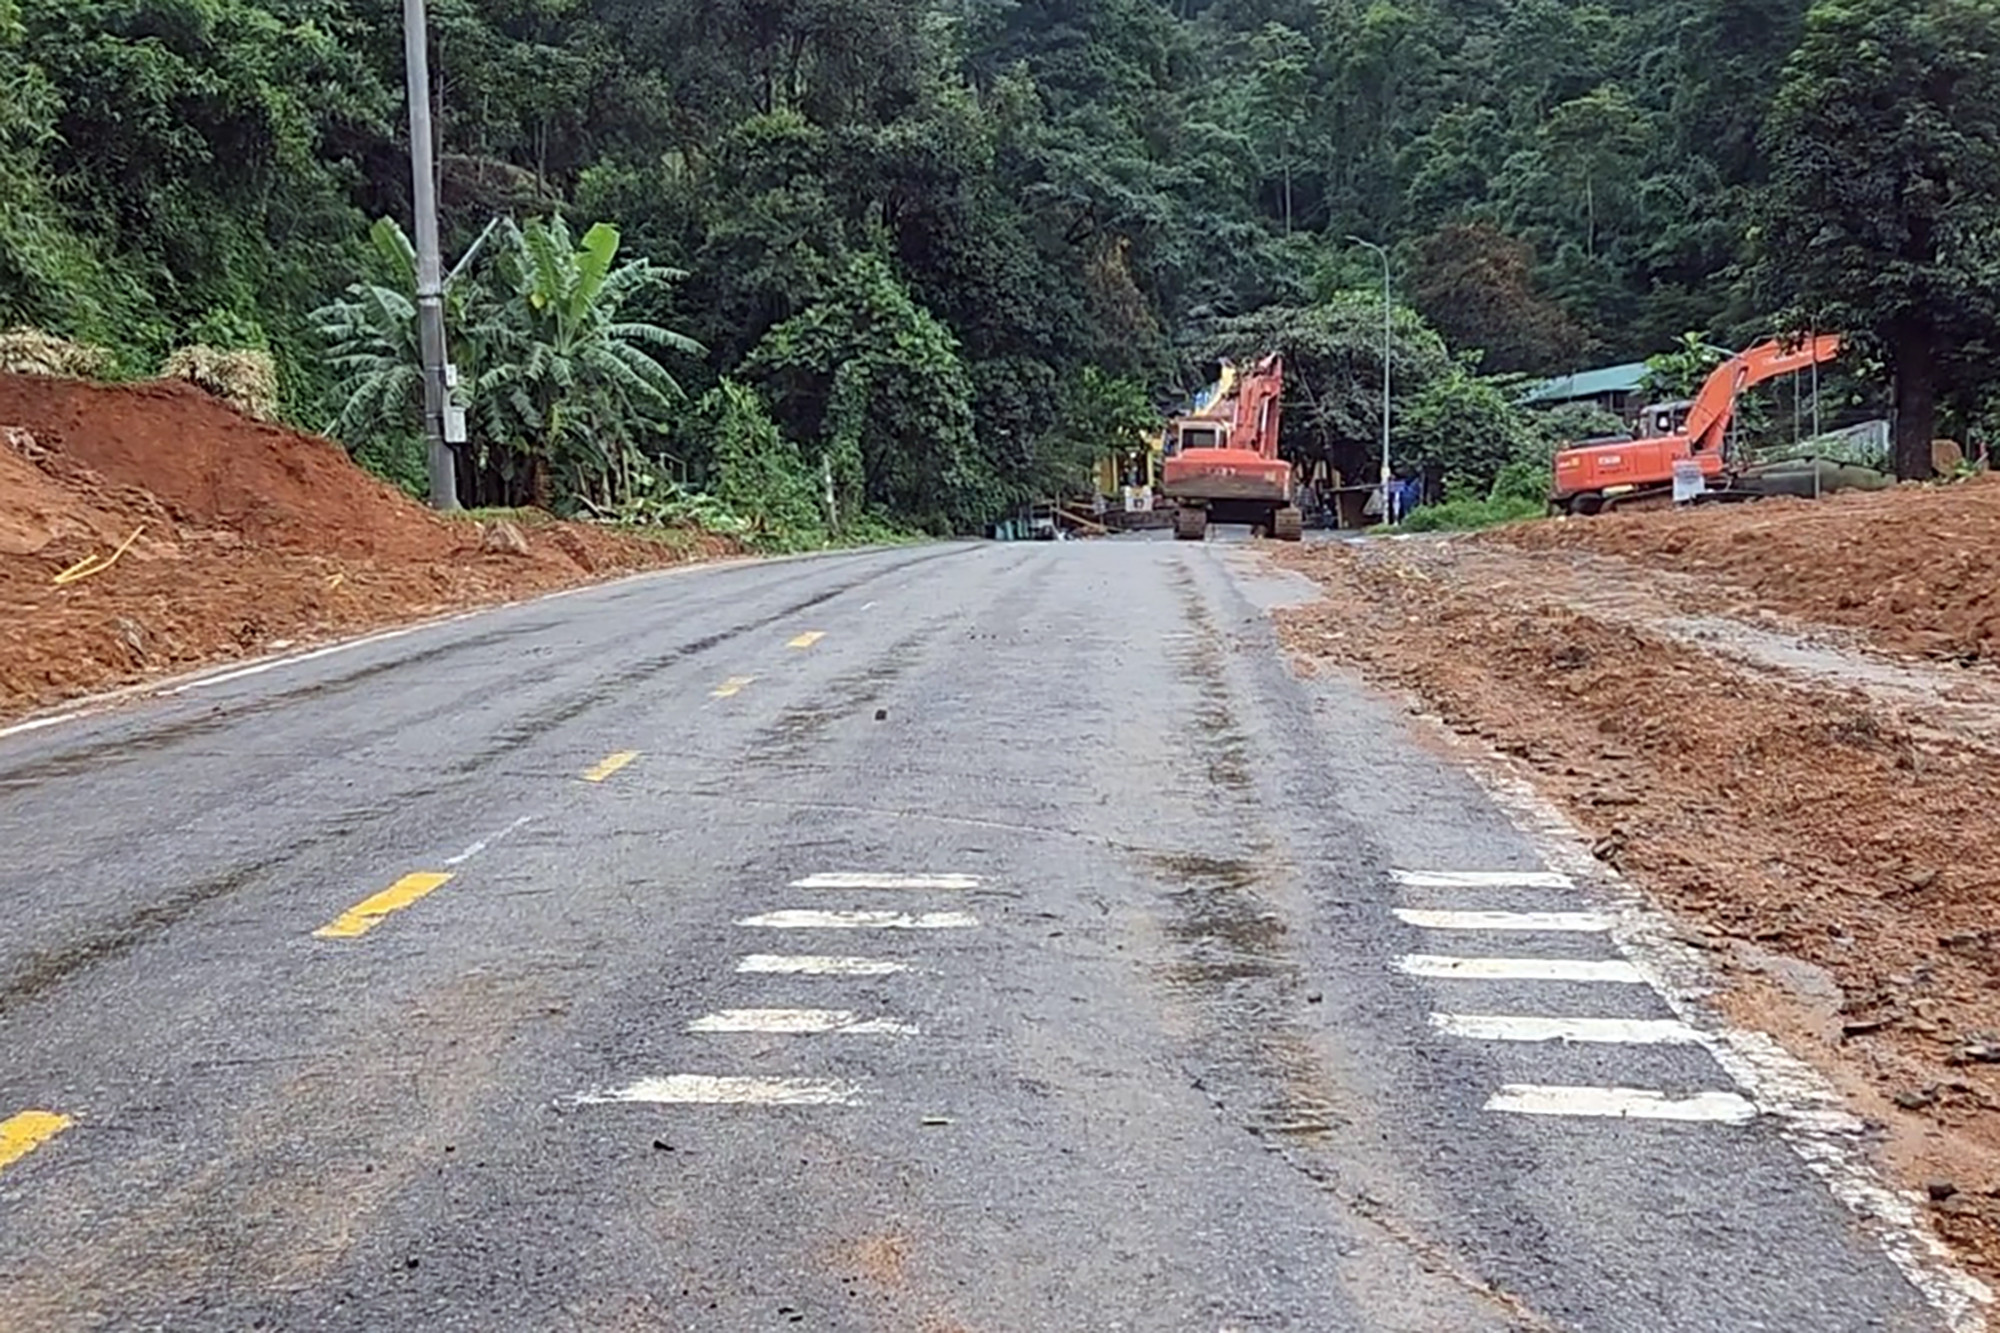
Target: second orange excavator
[1601,475]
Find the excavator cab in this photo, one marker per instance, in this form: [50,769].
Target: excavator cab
[1203,435]
[1665,418]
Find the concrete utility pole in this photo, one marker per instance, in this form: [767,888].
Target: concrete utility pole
[430,281]
[1387,343]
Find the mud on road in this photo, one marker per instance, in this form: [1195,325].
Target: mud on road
[1817,813]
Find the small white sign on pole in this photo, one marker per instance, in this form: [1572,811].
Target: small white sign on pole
[1688,481]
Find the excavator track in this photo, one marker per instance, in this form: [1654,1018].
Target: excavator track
[1287,524]
[1190,523]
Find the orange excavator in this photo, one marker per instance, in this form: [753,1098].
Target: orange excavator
[1605,474]
[1222,462]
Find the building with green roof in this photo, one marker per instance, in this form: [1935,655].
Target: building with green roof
[1616,389]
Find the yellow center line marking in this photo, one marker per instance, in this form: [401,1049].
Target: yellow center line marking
[22,1134]
[808,639]
[734,685]
[608,765]
[367,914]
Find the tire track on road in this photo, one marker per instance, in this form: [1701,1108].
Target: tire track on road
[1254,1058]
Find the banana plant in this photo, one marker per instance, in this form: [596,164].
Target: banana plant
[370,337]
[571,383]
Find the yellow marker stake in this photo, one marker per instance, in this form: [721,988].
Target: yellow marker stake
[734,685]
[608,765]
[367,914]
[22,1134]
[808,639]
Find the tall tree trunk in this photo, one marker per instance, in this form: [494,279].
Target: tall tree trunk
[1590,216]
[1916,402]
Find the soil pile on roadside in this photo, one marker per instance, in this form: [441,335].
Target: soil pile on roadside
[203,459]
[1820,818]
[238,536]
[1915,569]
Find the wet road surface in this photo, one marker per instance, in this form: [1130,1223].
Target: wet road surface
[965,938]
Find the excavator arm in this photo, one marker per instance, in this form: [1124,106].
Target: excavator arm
[1709,416]
[1256,426]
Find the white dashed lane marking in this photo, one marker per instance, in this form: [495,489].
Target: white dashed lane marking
[1528,1027]
[1520,969]
[800,918]
[861,881]
[800,1022]
[819,965]
[747,1089]
[1557,922]
[1621,1103]
[1482,879]
[724,1089]
[1612,1102]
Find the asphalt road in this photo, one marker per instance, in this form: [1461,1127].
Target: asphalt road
[1138,1045]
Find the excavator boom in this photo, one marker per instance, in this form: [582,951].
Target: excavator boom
[1594,476]
[1709,417]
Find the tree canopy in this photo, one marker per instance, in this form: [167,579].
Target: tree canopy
[1879,220]
[920,246]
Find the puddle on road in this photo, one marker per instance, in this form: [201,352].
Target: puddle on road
[1232,966]
[1225,931]
[1217,738]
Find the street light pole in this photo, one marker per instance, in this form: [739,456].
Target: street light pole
[430,280]
[1387,342]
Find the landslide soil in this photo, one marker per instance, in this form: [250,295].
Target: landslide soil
[1911,569]
[1761,751]
[251,538]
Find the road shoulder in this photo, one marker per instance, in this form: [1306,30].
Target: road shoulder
[1783,793]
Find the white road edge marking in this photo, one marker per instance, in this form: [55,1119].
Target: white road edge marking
[723,1090]
[37,723]
[803,918]
[1443,919]
[1530,1027]
[818,965]
[1621,1103]
[311,654]
[261,665]
[800,1022]
[1808,1112]
[1520,969]
[1482,879]
[871,881]
[91,705]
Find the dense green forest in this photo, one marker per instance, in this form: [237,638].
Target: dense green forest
[926,258]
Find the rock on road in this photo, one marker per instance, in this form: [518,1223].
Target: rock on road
[967,938]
